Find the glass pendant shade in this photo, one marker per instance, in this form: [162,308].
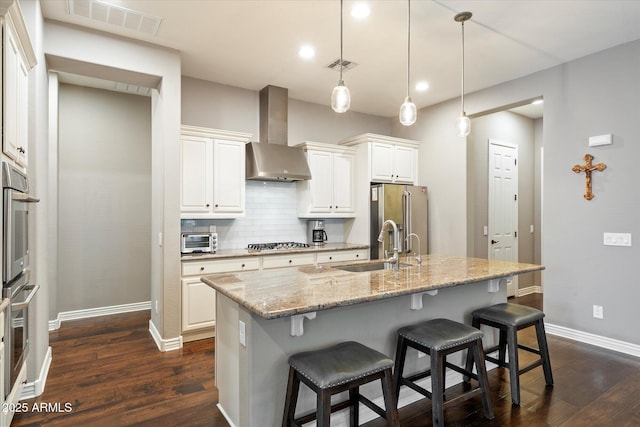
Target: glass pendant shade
[463,125]
[408,112]
[340,98]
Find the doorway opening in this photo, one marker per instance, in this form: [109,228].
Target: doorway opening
[520,126]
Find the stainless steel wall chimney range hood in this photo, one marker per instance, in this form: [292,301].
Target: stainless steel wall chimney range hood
[272,159]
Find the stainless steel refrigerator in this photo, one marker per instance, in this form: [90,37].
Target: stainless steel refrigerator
[406,205]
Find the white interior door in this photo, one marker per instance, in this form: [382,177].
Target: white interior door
[503,205]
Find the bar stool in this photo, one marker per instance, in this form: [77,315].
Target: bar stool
[509,319]
[342,367]
[438,338]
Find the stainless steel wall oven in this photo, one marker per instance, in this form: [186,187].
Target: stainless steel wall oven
[15,270]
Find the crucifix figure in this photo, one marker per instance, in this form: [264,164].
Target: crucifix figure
[587,169]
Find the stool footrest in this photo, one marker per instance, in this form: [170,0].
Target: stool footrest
[529,349]
[312,416]
[375,408]
[496,361]
[530,367]
[461,370]
[414,386]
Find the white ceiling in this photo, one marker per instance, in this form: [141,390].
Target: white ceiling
[253,43]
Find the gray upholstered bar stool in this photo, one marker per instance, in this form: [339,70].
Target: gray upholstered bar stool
[342,367]
[439,338]
[509,319]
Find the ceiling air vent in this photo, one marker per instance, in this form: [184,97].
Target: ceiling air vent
[112,14]
[346,65]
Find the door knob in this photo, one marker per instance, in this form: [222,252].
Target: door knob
[493,242]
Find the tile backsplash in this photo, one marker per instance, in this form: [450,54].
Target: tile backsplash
[271,216]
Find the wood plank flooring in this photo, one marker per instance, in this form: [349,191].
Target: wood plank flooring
[109,369]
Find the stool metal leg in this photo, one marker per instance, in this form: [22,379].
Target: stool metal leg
[437,388]
[291,398]
[481,368]
[390,400]
[544,352]
[401,353]
[354,406]
[503,347]
[514,375]
[323,408]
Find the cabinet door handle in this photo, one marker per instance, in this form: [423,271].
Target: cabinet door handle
[208,205]
[290,261]
[357,255]
[201,268]
[330,258]
[242,265]
[216,205]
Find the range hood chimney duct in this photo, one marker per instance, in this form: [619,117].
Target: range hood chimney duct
[272,159]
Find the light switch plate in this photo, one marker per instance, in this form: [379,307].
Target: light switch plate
[617,239]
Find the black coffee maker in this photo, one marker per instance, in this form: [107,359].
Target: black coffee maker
[315,232]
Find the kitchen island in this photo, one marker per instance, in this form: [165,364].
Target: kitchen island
[265,316]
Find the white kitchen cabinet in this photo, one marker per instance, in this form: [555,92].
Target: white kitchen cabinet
[199,299]
[288,260]
[212,173]
[198,305]
[388,159]
[330,191]
[393,163]
[18,59]
[343,256]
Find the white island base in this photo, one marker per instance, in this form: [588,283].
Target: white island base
[252,378]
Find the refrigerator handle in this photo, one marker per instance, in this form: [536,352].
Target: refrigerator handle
[406,219]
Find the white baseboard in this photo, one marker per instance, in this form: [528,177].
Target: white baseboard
[529,290]
[225,415]
[597,340]
[35,388]
[164,344]
[98,311]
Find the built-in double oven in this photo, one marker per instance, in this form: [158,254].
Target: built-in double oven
[16,283]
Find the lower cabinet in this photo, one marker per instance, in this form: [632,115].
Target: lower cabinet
[199,300]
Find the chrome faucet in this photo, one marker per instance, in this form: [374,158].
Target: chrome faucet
[395,260]
[418,257]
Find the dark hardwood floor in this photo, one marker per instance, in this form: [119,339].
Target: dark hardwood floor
[109,369]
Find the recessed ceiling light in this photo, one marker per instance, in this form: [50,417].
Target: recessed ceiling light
[537,101]
[422,86]
[360,10]
[307,52]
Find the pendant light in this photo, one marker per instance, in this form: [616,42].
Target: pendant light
[408,111]
[463,124]
[340,97]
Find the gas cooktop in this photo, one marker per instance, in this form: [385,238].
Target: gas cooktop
[277,246]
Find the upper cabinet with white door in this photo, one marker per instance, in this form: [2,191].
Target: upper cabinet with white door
[391,159]
[330,191]
[18,59]
[212,175]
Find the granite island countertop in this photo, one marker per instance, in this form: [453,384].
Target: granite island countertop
[289,291]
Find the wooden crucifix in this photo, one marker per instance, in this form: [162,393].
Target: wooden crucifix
[587,169]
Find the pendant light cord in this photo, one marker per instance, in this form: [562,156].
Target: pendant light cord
[463,68]
[341,40]
[408,44]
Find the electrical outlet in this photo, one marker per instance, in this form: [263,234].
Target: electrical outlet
[598,312]
[242,333]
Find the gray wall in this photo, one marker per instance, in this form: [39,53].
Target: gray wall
[593,95]
[217,106]
[518,130]
[104,257]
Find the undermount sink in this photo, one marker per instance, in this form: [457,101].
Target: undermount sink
[371,266]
